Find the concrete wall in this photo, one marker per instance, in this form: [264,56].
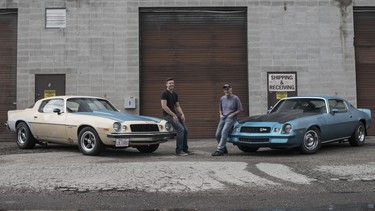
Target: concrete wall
[313,38]
[98,50]
[363,3]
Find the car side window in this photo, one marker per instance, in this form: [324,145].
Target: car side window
[48,106]
[319,106]
[338,104]
[71,106]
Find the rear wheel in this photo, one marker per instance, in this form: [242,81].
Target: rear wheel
[311,141]
[89,142]
[359,135]
[148,148]
[247,149]
[25,140]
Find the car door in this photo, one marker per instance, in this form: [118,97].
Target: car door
[48,124]
[340,122]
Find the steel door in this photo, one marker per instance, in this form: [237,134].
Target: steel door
[48,85]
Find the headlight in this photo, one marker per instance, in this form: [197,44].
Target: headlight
[287,128]
[168,126]
[117,126]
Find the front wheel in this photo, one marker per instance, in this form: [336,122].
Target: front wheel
[25,140]
[89,142]
[311,141]
[359,135]
[148,148]
[247,149]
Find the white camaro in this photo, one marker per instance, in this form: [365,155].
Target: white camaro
[92,123]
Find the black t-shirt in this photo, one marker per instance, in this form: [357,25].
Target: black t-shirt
[171,98]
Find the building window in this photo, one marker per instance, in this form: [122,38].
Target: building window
[55,18]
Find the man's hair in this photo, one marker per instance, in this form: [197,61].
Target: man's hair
[169,79]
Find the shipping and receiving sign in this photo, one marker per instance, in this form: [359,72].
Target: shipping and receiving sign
[281,85]
[282,82]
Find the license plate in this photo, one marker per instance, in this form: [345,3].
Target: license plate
[122,142]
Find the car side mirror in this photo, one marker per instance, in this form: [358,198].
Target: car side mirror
[334,110]
[57,110]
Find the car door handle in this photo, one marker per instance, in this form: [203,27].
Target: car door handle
[35,117]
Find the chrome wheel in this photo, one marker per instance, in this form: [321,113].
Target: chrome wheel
[359,135]
[311,141]
[89,142]
[25,140]
[22,136]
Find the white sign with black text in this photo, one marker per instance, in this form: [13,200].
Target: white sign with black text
[285,82]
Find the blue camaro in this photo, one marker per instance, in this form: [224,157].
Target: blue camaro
[303,122]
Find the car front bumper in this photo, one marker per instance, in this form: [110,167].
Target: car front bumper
[141,138]
[267,140]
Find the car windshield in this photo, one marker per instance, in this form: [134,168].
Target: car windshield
[88,105]
[303,104]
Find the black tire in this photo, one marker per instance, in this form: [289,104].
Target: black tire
[311,141]
[247,149]
[25,140]
[359,135]
[89,142]
[148,148]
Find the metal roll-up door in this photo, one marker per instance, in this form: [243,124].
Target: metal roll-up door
[201,48]
[8,68]
[364,42]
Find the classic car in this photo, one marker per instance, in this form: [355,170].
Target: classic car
[303,122]
[92,123]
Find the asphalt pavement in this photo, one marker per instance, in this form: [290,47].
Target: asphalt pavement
[338,177]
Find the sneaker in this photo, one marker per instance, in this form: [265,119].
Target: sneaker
[217,153]
[182,154]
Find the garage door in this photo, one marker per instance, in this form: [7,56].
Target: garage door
[201,48]
[8,67]
[364,41]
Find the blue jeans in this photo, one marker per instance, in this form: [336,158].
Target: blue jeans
[222,132]
[182,134]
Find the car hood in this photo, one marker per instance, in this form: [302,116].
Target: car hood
[119,116]
[280,117]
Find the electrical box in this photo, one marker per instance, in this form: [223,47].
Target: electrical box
[129,103]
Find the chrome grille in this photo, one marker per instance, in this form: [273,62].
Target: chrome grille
[144,127]
[255,129]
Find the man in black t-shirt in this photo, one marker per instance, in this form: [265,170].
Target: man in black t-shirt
[173,113]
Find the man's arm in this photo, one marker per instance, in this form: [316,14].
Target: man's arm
[239,109]
[232,115]
[166,108]
[179,110]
